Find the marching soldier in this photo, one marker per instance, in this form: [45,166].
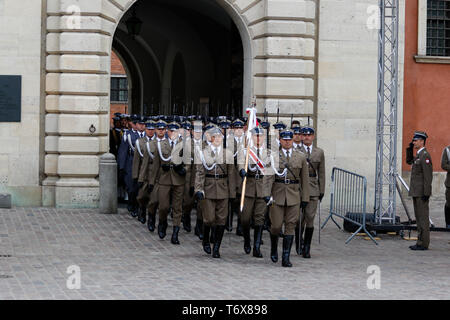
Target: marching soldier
[445,165]
[147,176]
[188,198]
[125,163]
[420,188]
[215,185]
[172,173]
[238,145]
[298,137]
[290,192]
[315,158]
[257,193]
[140,167]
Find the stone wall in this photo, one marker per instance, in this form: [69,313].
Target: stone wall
[20,54]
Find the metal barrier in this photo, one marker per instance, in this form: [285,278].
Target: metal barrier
[348,200]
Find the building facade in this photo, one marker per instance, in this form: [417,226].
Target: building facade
[313,59]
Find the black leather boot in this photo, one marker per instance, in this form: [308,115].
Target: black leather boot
[151,221]
[239,228]
[213,235]
[274,247]
[162,228]
[218,237]
[199,229]
[205,242]
[229,223]
[299,243]
[447,216]
[174,239]
[142,215]
[257,241]
[187,222]
[287,244]
[267,221]
[247,245]
[308,237]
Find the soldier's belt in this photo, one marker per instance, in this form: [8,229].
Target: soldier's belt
[287,181]
[256,176]
[216,176]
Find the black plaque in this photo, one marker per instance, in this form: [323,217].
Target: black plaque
[10,98]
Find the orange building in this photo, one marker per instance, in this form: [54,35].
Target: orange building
[119,86]
[427,77]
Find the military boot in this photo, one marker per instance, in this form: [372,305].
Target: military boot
[162,228]
[287,244]
[199,229]
[274,247]
[218,238]
[151,221]
[213,235]
[308,238]
[174,239]
[142,215]
[229,223]
[247,245]
[239,228]
[257,241]
[205,242]
[187,222]
[299,243]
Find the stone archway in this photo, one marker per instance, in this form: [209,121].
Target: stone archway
[280,67]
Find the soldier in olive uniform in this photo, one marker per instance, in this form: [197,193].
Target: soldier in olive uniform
[257,192]
[171,170]
[290,192]
[420,188]
[316,165]
[148,176]
[215,186]
[188,198]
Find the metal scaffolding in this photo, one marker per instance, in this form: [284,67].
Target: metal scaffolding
[386,161]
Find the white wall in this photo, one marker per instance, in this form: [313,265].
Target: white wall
[20,54]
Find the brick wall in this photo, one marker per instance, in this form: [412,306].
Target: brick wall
[117,69]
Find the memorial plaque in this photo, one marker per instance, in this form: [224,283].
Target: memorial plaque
[10,98]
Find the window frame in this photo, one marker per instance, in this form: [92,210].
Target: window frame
[127,90]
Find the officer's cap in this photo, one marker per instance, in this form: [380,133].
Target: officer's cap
[117,114]
[173,126]
[238,123]
[134,118]
[116,118]
[257,131]
[150,124]
[161,124]
[265,124]
[141,119]
[209,126]
[286,135]
[225,124]
[420,135]
[186,125]
[297,129]
[125,116]
[308,130]
[214,131]
[279,125]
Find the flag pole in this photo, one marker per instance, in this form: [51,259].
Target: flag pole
[244,183]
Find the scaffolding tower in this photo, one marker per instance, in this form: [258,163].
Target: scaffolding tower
[386,155]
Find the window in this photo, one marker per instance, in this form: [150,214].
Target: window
[119,89]
[438,28]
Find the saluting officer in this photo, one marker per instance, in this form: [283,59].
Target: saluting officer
[168,165]
[420,188]
[316,165]
[257,192]
[215,185]
[445,165]
[290,191]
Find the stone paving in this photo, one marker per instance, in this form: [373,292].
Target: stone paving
[119,259]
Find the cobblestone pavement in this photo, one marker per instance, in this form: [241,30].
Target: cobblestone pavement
[120,259]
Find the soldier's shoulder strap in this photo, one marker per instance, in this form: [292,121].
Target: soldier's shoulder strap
[147,145]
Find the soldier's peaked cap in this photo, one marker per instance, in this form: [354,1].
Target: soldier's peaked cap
[286,135]
[161,124]
[214,131]
[420,135]
[308,130]
[279,125]
[257,131]
[173,126]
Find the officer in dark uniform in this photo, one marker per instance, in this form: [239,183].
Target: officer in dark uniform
[420,188]
[126,154]
[445,165]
